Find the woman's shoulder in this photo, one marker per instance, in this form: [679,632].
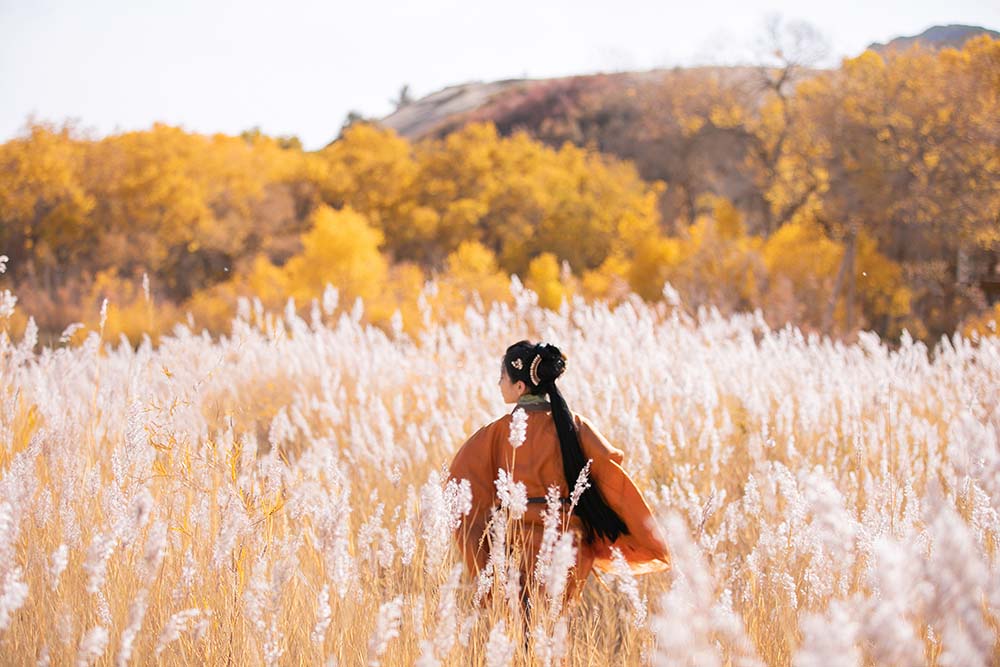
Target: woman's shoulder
[478,448]
[582,422]
[594,442]
[500,423]
[491,428]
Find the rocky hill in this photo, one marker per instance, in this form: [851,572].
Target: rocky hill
[937,37]
[521,103]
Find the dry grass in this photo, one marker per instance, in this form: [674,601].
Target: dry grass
[826,504]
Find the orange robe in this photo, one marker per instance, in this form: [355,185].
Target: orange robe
[538,465]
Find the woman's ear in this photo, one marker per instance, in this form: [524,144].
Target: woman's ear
[521,387]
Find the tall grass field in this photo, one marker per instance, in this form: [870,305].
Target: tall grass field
[279,495]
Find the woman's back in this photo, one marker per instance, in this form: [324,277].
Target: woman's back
[555,447]
[537,463]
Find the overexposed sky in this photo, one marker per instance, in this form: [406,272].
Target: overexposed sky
[297,66]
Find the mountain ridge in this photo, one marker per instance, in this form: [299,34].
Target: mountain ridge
[446,109]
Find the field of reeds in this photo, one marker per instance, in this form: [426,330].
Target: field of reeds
[277,496]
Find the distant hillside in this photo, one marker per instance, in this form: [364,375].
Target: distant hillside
[529,103]
[631,115]
[422,117]
[639,116]
[937,37]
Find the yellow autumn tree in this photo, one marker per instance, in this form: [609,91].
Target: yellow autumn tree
[473,268]
[610,280]
[711,262]
[45,209]
[901,149]
[546,278]
[340,248]
[521,198]
[369,169]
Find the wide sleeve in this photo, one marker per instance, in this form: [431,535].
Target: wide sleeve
[474,461]
[644,547]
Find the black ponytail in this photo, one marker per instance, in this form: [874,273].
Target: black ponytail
[538,366]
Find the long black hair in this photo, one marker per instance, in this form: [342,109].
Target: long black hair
[538,366]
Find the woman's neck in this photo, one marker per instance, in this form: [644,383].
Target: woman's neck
[530,401]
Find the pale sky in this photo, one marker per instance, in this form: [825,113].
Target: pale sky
[297,67]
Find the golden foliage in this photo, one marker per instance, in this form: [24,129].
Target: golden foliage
[340,248]
[473,268]
[869,180]
[984,324]
[545,279]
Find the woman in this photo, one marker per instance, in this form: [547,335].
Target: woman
[557,445]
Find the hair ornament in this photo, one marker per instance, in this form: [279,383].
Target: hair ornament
[518,364]
[534,370]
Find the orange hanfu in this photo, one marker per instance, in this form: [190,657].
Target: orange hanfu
[539,464]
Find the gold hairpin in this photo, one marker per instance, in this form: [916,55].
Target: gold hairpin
[534,370]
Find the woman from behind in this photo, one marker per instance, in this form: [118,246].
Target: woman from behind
[551,449]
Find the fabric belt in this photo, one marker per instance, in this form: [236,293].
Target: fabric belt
[541,499]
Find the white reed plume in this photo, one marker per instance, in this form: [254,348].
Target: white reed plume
[10,528]
[417,609]
[550,532]
[188,578]
[257,595]
[104,313]
[427,657]
[374,542]
[441,510]
[484,582]
[541,645]
[499,648]
[497,563]
[155,548]
[518,427]
[690,622]
[447,614]
[960,576]
[322,616]
[96,565]
[273,647]
[627,585]
[59,560]
[103,608]
[406,540]
[13,595]
[465,630]
[330,298]
[235,524]
[830,639]
[512,588]
[581,485]
[8,303]
[513,495]
[550,649]
[92,646]
[69,331]
[560,639]
[65,625]
[557,576]
[136,613]
[901,595]
[177,625]
[386,629]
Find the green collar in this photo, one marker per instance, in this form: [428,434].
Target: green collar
[532,401]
